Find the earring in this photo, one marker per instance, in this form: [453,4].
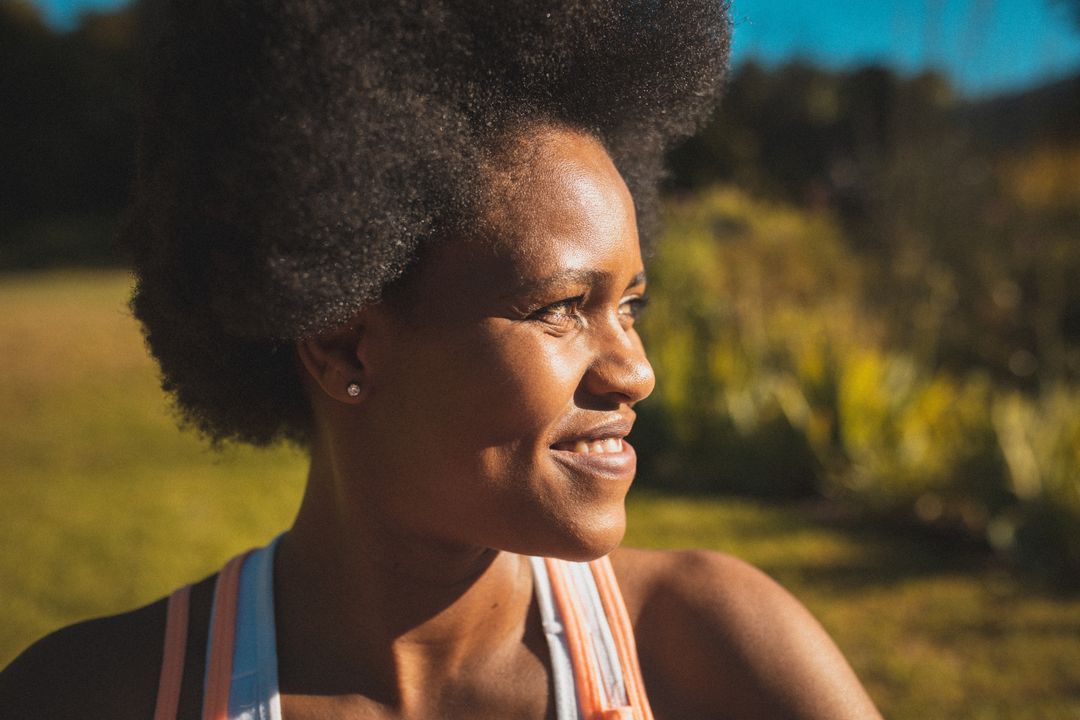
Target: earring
[352,389]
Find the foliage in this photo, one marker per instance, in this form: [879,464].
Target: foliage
[67,148]
[776,378]
[963,212]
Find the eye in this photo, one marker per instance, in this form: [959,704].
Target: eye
[630,308]
[562,314]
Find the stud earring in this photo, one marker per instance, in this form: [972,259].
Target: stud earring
[352,389]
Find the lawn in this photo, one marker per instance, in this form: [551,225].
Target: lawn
[105,505]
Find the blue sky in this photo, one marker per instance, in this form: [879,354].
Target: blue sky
[986,46]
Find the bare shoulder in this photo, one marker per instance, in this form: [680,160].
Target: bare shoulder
[99,668]
[108,667]
[718,638]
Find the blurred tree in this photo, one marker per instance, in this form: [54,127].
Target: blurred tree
[777,382]
[66,134]
[925,184]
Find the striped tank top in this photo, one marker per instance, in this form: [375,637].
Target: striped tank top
[595,671]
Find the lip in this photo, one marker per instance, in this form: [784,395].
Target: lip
[615,465]
[615,427]
[619,465]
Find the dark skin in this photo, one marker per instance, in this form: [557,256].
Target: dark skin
[479,382]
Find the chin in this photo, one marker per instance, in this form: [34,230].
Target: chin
[586,553]
[588,539]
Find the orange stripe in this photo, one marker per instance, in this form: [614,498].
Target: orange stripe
[623,642]
[623,632]
[172,660]
[222,640]
[588,687]
[618,607]
[627,632]
[618,635]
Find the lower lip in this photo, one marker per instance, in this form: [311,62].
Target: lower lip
[616,465]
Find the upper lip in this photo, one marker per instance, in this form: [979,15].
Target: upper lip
[616,427]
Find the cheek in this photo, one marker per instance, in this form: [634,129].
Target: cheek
[518,383]
[501,384]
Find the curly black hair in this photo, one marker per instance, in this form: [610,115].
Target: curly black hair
[294,157]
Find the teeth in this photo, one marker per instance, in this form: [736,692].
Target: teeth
[607,445]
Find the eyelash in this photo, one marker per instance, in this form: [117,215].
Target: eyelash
[570,307]
[635,306]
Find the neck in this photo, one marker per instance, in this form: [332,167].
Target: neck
[364,607]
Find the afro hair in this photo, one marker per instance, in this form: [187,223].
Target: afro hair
[294,157]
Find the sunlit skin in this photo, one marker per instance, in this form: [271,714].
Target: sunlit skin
[496,387]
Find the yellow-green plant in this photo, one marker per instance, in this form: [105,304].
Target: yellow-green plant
[775,378]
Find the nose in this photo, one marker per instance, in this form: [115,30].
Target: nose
[620,372]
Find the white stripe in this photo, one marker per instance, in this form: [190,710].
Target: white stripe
[562,669]
[599,631]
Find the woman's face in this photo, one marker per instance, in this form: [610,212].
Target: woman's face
[502,381]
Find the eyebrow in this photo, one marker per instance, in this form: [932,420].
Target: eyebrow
[570,277]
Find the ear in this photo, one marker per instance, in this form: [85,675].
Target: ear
[334,360]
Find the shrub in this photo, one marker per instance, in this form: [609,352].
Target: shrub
[775,379]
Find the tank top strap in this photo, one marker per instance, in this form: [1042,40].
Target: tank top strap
[241,670]
[219,652]
[623,635]
[253,690]
[596,674]
[173,653]
[595,669]
[222,641]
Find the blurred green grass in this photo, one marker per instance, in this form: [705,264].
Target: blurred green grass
[105,505]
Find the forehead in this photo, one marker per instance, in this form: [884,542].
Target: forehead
[555,206]
[557,198]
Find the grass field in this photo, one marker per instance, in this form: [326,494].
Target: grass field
[104,505]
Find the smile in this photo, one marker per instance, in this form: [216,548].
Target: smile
[610,458]
[593,447]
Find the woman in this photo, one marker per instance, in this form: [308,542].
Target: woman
[406,238]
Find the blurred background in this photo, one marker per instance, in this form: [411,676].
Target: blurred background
[865,322]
